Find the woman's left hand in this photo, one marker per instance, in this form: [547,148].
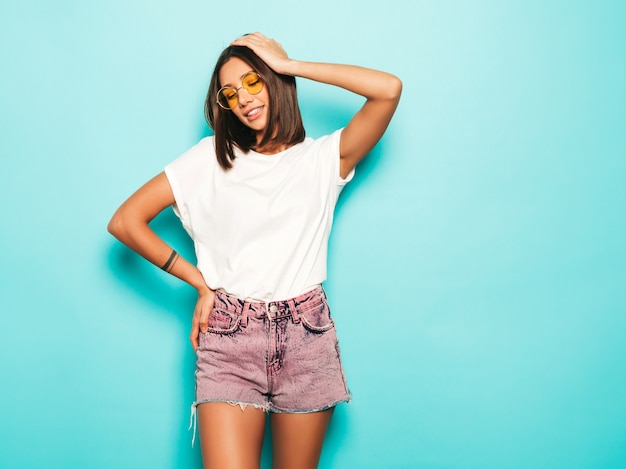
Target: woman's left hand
[269,50]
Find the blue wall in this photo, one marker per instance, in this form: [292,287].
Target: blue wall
[478,269]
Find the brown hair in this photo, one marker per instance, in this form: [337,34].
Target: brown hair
[284,124]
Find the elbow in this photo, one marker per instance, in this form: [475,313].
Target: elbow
[126,225]
[395,88]
[390,88]
[117,225]
[114,226]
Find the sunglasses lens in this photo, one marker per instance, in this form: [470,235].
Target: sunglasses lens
[227,97]
[252,83]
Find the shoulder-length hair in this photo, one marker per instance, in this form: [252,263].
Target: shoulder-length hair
[284,124]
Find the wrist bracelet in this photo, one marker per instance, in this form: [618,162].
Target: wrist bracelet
[170,260]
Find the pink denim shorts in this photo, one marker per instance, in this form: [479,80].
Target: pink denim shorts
[281,356]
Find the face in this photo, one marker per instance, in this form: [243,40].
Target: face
[252,109]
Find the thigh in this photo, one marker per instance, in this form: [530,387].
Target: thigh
[230,438]
[297,439]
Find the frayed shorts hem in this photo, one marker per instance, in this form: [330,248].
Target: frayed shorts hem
[241,404]
[270,408]
[308,411]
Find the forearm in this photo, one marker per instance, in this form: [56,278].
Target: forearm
[132,228]
[372,84]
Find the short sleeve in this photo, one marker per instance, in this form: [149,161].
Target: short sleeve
[335,141]
[186,176]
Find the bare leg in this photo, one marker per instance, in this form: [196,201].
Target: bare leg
[297,439]
[230,438]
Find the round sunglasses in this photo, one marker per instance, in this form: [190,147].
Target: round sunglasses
[228,96]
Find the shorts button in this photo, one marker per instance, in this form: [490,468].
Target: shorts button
[273,309]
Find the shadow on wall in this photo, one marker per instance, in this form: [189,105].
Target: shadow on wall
[363,170]
[148,280]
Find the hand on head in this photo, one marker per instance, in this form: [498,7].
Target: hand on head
[269,50]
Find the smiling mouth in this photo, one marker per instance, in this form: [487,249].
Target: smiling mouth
[253,112]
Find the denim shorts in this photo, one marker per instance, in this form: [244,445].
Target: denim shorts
[280,356]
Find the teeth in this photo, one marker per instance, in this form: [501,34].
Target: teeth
[254,111]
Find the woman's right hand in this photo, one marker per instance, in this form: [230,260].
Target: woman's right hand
[200,321]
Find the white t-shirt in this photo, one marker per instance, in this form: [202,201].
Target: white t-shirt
[261,228]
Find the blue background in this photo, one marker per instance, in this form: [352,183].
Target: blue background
[478,260]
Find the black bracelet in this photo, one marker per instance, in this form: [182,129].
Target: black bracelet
[170,260]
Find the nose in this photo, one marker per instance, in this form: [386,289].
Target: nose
[243,96]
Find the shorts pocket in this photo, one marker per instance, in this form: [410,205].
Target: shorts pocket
[317,318]
[222,321]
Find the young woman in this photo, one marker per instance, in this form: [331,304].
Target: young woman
[257,199]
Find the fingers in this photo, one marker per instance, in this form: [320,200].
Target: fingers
[255,38]
[269,50]
[204,317]
[194,337]
[258,43]
[200,320]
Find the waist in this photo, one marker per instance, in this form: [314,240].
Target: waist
[290,307]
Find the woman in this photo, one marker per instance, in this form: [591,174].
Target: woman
[257,198]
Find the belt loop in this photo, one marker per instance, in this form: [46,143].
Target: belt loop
[244,314]
[294,312]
